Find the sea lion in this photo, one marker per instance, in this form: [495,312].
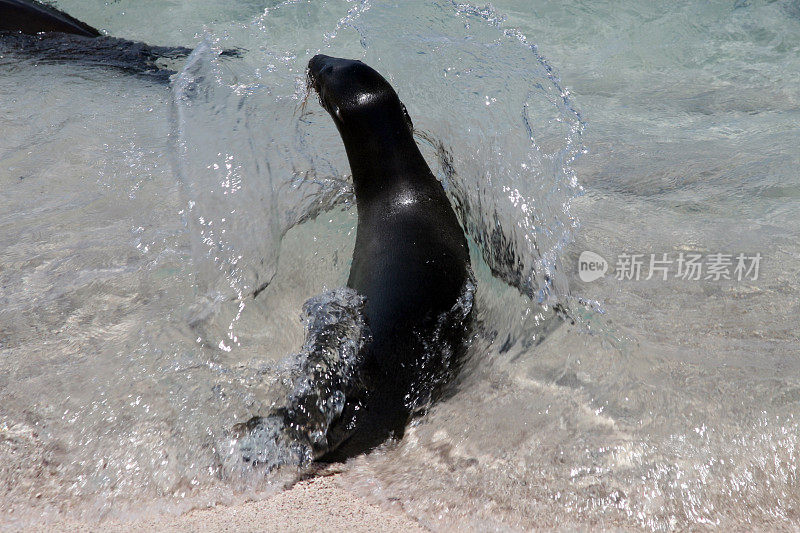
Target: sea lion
[410,262]
[30,17]
[31,29]
[411,269]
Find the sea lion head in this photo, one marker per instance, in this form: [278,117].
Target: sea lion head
[359,100]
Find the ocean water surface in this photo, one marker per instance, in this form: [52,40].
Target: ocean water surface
[139,218]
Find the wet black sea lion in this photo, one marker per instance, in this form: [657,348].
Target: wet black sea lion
[31,29]
[30,17]
[410,261]
[411,269]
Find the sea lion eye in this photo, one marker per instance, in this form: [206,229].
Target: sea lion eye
[337,112]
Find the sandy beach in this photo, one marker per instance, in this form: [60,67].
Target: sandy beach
[318,504]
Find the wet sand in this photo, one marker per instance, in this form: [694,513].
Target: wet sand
[318,504]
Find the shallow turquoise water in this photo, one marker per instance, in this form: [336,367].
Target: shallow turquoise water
[126,355]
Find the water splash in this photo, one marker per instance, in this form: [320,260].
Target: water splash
[327,373]
[486,106]
[320,378]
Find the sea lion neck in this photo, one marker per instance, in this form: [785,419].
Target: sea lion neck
[382,157]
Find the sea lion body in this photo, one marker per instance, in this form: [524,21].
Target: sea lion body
[410,261]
